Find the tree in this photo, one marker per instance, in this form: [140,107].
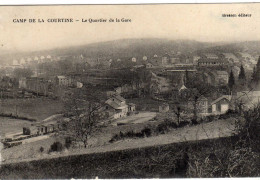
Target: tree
[242,81]
[256,73]
[242,75]
[20,72]
[83,109]
[231,80]
[197,90]
[186,77]
[253,77]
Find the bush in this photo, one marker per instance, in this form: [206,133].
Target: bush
[185,123]
[147,132]
[68,142]
[238,158]
[41,149]
[163,127]
[56,147]
[130,134]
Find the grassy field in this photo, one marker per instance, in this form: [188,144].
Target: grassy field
[141,117]
[10,125]
[145,104]
[38,108]
[100,141]
[163,161]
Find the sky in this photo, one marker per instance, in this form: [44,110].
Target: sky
[200,22]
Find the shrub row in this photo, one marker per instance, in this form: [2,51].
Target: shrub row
[146,132]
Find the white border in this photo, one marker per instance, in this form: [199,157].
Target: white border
[52,2]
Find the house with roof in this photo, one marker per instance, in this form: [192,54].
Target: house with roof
[155,61]
[15,63]
[221,105]
[133,59]
[211,62]
[207,78]
[222,77]
[165,59]
[216,78]
[230,57]
[35,58]
[63,81]
[210,56]
[116,107]
[201,104]
[149,65]
[131,107]
[22,61]
[195,59]
[236,70]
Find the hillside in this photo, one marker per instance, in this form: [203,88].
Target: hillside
[252,47]
[117,48]
[139,48]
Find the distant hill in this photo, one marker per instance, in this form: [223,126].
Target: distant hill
[119,48]
[142,47]
[139,48]
[252,47]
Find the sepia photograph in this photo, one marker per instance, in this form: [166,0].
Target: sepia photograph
[130,91]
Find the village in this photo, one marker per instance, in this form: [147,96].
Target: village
[133,90]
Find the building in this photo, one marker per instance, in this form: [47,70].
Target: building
[207,62]
[165,60]
[22,61]
[79,84]
[215,78]
[22,83]
[201,105]
[236,70]
[116,107]
[35,84]
[210,56]
[131,107]
[133,59]
[230,57]
[149,65]
[36,58]
[221,105]
[222,77]
[63,81]
[246,58]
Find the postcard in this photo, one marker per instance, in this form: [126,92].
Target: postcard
[130,91]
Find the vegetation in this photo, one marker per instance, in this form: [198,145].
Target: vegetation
[56,147]
[231,80]
[241,158]
[83,108]
[165,161]
[256,74]
[22,72]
